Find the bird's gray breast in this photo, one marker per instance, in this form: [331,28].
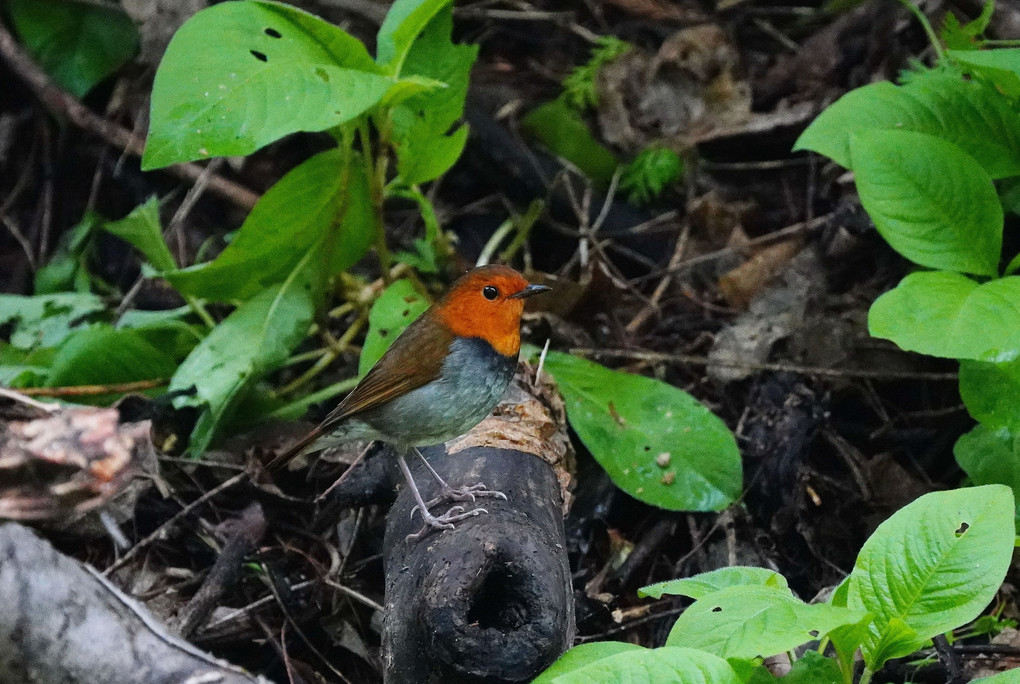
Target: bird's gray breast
[472,381]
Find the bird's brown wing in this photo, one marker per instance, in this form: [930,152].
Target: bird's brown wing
[414,359]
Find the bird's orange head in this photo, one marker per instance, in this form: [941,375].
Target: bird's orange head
[487,302]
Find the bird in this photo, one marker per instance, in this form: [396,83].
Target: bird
[442,376]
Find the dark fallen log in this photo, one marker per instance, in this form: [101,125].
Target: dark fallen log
[63,622]
[489,601]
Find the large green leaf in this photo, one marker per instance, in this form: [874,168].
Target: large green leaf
[706,583]
[266,70]
[297,212]
[647,666]
[24,368]
[426,146]
[972,115]
[1007,677]
[930,200]
[934,565]
[990,392]
[749,621]
[950,315]
[255,339]
[394,310]
[142,229]
[404,21]
[1000,66]
[990,455]
[657,442]
[582,655]
[102,355]
[78,43]
[47,320]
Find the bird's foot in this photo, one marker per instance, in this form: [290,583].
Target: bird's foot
[465,493]
[446,521]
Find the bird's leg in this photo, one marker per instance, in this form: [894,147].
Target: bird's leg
[448,493]
[443,522]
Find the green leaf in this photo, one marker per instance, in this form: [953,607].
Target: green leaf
[426,146]
[990,455]
[989,391]
[749,621]
[649,173]
[970,114]
[930,200]
[68,267]
[77,43]
[813,668]
[142,229]
[267,70]
[650,666]
[959,37]
[394,310]
[24,368]
[579,87]
[561,129]
[1000,66]
[47,320]
[404,21]
[254,340]
[846,640]
[294,214]
[933,566]
[658,443]
[703,584]
[582,655]
[751,671]
[102,355]
[949,315]
[1007,677]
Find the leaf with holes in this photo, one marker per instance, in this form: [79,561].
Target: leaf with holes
[645,666]
[77,43]
[394,310]
[929,199]
[750,621]
[934,565]
[949,315]
[296,213]
[658,443]
[266,70]
[706,583]
[47,320]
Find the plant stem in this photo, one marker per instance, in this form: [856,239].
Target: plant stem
[200,311]
[926,25]
[327,358]
[295,409]
[866,676]
[377,164]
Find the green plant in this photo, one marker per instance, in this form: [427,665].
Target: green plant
[933,566]
[936,161]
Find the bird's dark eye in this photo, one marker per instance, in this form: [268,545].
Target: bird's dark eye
[489,292]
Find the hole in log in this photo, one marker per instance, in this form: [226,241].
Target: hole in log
[500,602]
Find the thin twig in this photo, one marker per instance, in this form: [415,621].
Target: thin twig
[93,390]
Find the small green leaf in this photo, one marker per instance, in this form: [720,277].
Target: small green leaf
[949,315]
[426,146]
[102,355]
[651,666]
[142,229]
[813,668]
[658,443]
[254,340]
[267,70]
[294,214]
[701,585]
[930,200]
[990,391]
[847,640]
[68,267]
[77,43]
[990,455]
[394,310]
[24,368]
[561,129]
[933,566]
[47,320]
[582,655]
[749,621]
[649,173]
[404,21]
[970,114]
[579,87]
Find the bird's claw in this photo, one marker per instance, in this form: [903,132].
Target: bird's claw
[445,521]
[465,493]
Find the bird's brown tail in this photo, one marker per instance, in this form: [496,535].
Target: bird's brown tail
[298,448]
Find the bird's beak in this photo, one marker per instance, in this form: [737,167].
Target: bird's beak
[530,290]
